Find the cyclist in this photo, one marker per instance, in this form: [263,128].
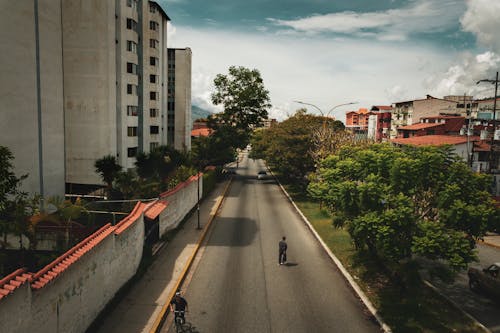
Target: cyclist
[181,306]
[282,251]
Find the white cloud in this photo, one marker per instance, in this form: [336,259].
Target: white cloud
[392,24]
[324,72]
[481,19]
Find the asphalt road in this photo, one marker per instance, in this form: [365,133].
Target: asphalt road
[237,284]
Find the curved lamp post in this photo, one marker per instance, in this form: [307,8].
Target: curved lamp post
[327,113]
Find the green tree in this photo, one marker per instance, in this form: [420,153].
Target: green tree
[398,202]
[10,196]
[108,168]
[245,100]
[287,147]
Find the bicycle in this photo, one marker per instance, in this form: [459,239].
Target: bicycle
[181,326]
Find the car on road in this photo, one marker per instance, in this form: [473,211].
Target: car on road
[486,280]
[261,174]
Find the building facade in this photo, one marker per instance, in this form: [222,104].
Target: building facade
[82,79]
[31,92]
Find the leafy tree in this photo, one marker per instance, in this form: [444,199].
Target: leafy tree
[288,147]
[159,163]
[400,202]
[108,168]
[11,197]
[245,101]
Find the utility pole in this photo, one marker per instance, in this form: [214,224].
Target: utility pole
[492,150]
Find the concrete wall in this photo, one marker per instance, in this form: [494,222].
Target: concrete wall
[181,200]
[74,298]
[23,79]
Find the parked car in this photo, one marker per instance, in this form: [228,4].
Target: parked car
[261,174]
[486,280]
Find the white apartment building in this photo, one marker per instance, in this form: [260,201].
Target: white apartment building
[82,79]
[31,92]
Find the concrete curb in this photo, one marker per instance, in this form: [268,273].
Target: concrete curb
[165,309]
[490,244]
[342,269]
[477,323]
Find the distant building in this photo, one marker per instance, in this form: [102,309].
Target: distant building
[379,123]
[409,112]
[438,125]
[357,122]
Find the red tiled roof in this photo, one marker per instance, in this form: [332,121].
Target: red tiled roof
[201,132]
[13,281]
[432,140]
[55,268]
[130,218]
[418,126]
[155,209]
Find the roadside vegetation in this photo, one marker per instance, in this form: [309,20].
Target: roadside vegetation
[380,208]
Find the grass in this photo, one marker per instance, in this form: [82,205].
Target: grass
[410,308]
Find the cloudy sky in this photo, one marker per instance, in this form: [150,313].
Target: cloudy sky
[327,52]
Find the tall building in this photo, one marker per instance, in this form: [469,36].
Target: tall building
[31,92]
[82,79]
[179,122]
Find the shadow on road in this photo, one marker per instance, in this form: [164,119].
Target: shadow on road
[233,231]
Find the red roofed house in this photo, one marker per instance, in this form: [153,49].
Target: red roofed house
[200,128]
[408,112]
[437,125]
[462,144]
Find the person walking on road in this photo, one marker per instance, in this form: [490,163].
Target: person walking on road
[282,251]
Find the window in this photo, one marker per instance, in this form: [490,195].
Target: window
[131,46]
[154,129]
[131,131]
[153,61]
[153,145]
[131,24]
[132,89]
[153,43]
[153,95]
[131,68]
[132,110]
[154,25]
[153,113]
[171,106]
[152,78]
[132,152]
[132,4]
[152,8]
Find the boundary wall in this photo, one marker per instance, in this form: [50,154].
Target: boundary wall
[68,294]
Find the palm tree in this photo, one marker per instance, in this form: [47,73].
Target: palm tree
[108,168]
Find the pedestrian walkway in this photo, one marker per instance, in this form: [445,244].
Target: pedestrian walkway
[140,308]
[492,240]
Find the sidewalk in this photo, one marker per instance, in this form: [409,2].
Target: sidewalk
[140,309]
[492,240]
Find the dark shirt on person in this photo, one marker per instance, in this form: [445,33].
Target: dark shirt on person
[282,246]
[180,303]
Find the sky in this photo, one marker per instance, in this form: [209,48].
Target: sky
[327,53]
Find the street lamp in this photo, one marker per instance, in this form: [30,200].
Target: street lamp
[327,113]
[492,142]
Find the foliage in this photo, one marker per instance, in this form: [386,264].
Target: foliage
[243,96]
[399,202]
[288,147]
[181,174]
[14,203]
[108,168]
[216,149]
[159,163]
